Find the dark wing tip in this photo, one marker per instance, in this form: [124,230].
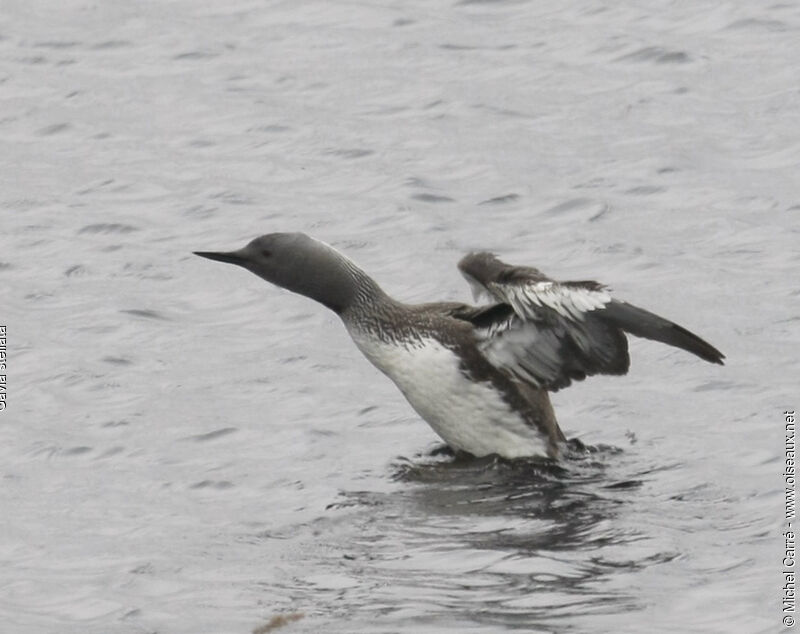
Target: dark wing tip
[715,356]
[642,323]
[697,346]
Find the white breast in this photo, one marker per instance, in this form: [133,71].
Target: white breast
[468,415]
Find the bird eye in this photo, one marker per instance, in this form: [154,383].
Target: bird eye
[266,253]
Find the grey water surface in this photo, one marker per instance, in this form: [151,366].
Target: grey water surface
[186,449]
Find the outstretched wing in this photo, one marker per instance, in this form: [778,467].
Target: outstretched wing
[559,332]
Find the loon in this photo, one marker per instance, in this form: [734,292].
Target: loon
[479,375]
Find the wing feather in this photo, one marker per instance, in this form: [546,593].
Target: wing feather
[554,333]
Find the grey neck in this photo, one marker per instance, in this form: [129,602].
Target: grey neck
[341,286]
[348,290]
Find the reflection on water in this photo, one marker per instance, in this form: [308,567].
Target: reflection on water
[532,541]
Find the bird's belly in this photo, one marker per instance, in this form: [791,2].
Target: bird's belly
[470,416]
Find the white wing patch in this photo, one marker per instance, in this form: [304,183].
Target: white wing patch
[571,302]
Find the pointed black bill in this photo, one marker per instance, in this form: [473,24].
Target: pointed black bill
[231,257]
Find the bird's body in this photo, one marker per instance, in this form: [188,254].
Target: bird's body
[471,406]
[479,376]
